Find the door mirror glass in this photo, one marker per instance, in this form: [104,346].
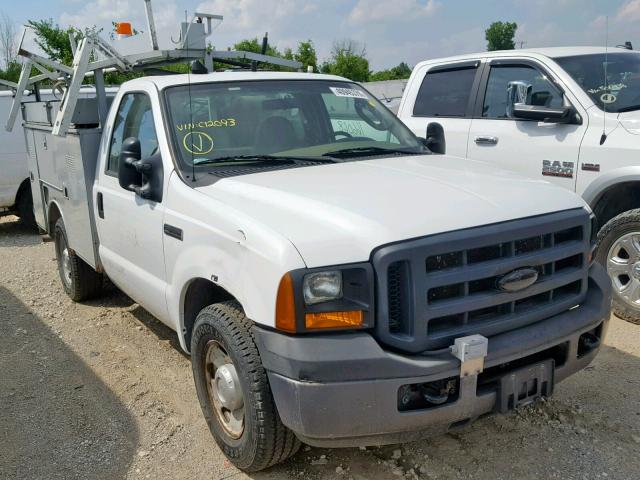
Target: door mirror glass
[435,138]
[518,92]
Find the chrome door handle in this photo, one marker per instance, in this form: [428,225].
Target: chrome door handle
[485,140]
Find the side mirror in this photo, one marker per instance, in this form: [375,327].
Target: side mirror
[544,114]
[518,92]
[142,176]
[435,138]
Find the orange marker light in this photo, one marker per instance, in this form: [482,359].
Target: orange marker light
[350,319]
[285,306]
[124,29]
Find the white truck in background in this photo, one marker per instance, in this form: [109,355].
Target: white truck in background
[569,115]
[334,281]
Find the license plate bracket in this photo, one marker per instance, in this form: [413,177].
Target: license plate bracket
[526,385]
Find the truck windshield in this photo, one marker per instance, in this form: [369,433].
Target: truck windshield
[619,91]
[257,123]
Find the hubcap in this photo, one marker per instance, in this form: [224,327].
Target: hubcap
[225,392]
[623,265]
[66,265]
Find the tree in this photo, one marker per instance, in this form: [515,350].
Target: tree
[348,59]
[255,46]
[306,54]
[399,72]
[54,40]
[500,36]
[7,40]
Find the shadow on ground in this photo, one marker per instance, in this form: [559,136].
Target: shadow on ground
[57,419]
[15,234]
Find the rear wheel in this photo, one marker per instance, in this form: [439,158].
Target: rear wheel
[234,392]
[25,208]
[79,280]
[619,252]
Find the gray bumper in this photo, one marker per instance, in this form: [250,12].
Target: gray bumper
[342,390]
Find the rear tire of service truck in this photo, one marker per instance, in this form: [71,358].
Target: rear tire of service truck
[79,280]
[233,390]
[24,207]
[618,250]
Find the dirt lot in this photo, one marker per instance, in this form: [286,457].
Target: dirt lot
[102,390]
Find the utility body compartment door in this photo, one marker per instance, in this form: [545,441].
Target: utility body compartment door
[130,228]
[535,149]
[442,93]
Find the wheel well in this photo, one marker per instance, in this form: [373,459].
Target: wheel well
[26,183]
[54,215]
[615,200]
[200,293]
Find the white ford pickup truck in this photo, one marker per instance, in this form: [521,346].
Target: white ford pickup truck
[334,281]
[570,115]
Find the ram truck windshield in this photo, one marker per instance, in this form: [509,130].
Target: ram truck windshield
[247,126]
[611,80]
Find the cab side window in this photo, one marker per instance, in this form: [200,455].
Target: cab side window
[134,119]
[543,92]
[445,93]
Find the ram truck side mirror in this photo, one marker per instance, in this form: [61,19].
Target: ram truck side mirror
[142,176]
[563,114]
[435,138]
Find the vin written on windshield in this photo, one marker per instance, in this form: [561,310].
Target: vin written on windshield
[222,125]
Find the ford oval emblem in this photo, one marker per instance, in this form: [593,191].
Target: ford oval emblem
[518,280]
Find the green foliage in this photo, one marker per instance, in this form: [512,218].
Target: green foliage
[399,72]
[500,36]
[348,60]
[306,54]
[12,72]
[54,40]
[255,46]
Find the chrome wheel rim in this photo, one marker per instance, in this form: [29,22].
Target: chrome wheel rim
[224,389]
[623,266]
[65,261]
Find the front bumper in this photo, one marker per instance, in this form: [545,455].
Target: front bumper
[341,390]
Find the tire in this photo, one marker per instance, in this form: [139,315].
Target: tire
[24,206]
[618,250]
[262,440]
[79,280]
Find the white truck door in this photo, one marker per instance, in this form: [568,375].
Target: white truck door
[442,93]
[130,227]
[535,149]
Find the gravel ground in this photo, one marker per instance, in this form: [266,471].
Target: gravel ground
[102,390]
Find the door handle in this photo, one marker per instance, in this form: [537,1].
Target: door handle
[100,203]
[486,140]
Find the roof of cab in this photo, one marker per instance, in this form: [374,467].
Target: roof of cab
[164,81]
[551,52]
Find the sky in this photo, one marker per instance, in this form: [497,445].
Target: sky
[391,30]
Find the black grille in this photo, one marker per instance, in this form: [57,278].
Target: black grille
[446,286]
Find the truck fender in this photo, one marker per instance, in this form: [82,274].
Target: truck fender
[54,212]
[604,182]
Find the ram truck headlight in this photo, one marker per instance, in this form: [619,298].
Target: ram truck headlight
[322,287]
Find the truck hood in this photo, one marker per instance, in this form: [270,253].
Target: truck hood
[630,121]
[338,213]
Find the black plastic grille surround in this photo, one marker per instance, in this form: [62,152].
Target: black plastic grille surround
[434,289]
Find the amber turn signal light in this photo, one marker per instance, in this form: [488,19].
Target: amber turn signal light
[285,306]
[350,319]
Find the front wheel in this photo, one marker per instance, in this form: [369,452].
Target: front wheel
[618,250]
[79,280]
[234,391]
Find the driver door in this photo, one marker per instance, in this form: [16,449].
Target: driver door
[547,151]
[130,228]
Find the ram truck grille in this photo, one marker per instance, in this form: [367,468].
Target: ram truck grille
[434,289]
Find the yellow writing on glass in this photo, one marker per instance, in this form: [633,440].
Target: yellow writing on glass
[198,143]
[223,122]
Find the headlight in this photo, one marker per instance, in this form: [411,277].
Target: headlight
[322,287]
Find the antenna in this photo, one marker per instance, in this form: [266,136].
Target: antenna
[603,137]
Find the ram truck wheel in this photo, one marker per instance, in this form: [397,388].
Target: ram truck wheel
[618,250]
[24,207]
[233,390]
[79,280]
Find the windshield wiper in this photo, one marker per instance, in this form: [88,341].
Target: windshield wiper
[258,158]
[630,108]
[369,152]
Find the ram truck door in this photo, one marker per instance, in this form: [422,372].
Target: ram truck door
[442,93]
[533,148]
[130,228]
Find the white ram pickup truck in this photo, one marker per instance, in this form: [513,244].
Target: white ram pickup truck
[334,281]
[570,115]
